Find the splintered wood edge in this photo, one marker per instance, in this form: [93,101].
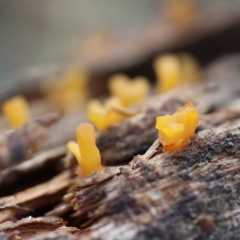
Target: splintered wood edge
[41,226]
[17,144]
[35,197]
[34,163]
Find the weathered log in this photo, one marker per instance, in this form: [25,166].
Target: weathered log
[9,236]
[192,193]
[21,176]
[29,227]
[17,144]
[55,236]
[37,197]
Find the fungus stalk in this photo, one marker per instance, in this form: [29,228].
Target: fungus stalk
[85,150]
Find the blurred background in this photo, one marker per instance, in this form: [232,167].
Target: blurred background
[33,32]
[36,32]
[107,36]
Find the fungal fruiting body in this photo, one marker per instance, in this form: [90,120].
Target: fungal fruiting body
[176,130]
[107,114]
[16,110]
[168,71]
[86,151]
[127,90]
[175,70]
[68,92]
[189,67]
[181,12]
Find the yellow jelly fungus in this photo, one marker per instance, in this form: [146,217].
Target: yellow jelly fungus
[16,110]
[176,130]
[127,90]
[86,151]
[70,91]
[189,66]
[181,11]
[168,71]
[173,70]
[107,114]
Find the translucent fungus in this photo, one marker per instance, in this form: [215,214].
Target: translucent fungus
[127,90]
[69,91]
[86,151]
[168,71]
[189,66]
[107,114]
[174,70]
[176,130]
[181,12]
[16,110]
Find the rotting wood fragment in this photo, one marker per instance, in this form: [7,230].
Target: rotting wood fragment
[15,177]
[45,194]
[29,227]
[193,191]
[17,144]
[94,179]
[9,236]
[55,236]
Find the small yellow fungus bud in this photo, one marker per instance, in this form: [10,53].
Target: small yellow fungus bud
[16,110]
[181,12]
[70,91]
[107,114]
[168,71]
[86,151]
[173,71]
[176,130]
[129,91]
[190,67]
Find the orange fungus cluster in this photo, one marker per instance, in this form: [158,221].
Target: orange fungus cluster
[127,90]
[175,70]
[176,130]
[69,91]
[107,114]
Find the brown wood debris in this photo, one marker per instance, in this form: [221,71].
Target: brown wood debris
[18,144]
[30,200]
[192,193]
[9,236]
[21,176]
[30,228]
[55,236]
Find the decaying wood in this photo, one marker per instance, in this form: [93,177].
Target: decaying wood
[55,236]
[119,143]
[18,176]
[37,197]
[9,236]
[17,144]
[192,193]
[219,117]
[29,227]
